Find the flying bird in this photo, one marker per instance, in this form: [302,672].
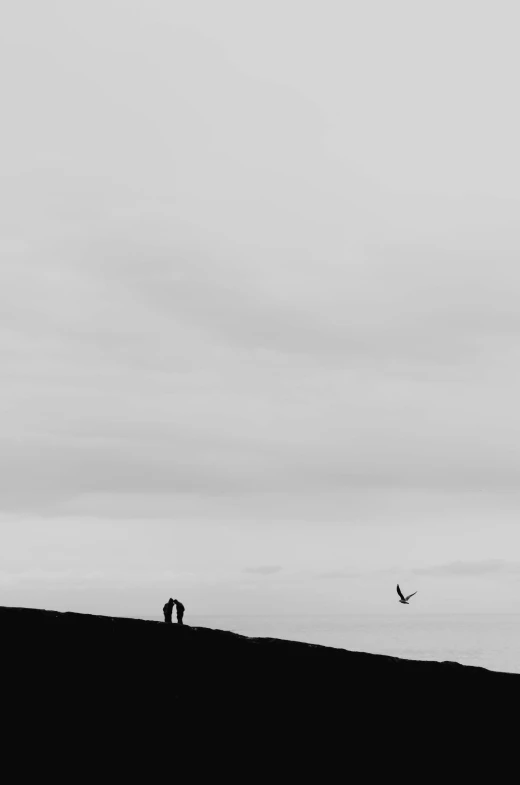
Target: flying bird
[404,600]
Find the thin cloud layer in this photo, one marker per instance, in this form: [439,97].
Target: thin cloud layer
[337,574]
[472,569]
[94,412]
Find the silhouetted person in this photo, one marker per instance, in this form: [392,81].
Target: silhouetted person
[168,610]
[180,611]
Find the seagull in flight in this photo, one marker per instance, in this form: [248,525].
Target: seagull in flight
[404,600]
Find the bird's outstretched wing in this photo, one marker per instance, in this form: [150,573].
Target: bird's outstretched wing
[400,593]
[410,595]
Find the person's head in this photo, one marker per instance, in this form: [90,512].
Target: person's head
[175,602]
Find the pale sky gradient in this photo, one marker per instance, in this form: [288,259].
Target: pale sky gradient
[259,296]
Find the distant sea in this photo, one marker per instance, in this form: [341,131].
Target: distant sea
[486,640]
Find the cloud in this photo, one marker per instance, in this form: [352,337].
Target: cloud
[236,323]
[332,574]
[266,569]
[472,568]
[366,311]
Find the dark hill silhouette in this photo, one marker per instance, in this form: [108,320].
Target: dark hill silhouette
[135,685]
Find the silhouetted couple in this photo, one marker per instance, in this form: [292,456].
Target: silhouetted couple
[168,610]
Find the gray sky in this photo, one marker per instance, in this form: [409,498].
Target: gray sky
[259,269]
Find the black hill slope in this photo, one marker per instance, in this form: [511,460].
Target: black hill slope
[195,660]
[130,679]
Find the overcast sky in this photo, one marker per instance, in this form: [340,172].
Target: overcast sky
[259,295]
